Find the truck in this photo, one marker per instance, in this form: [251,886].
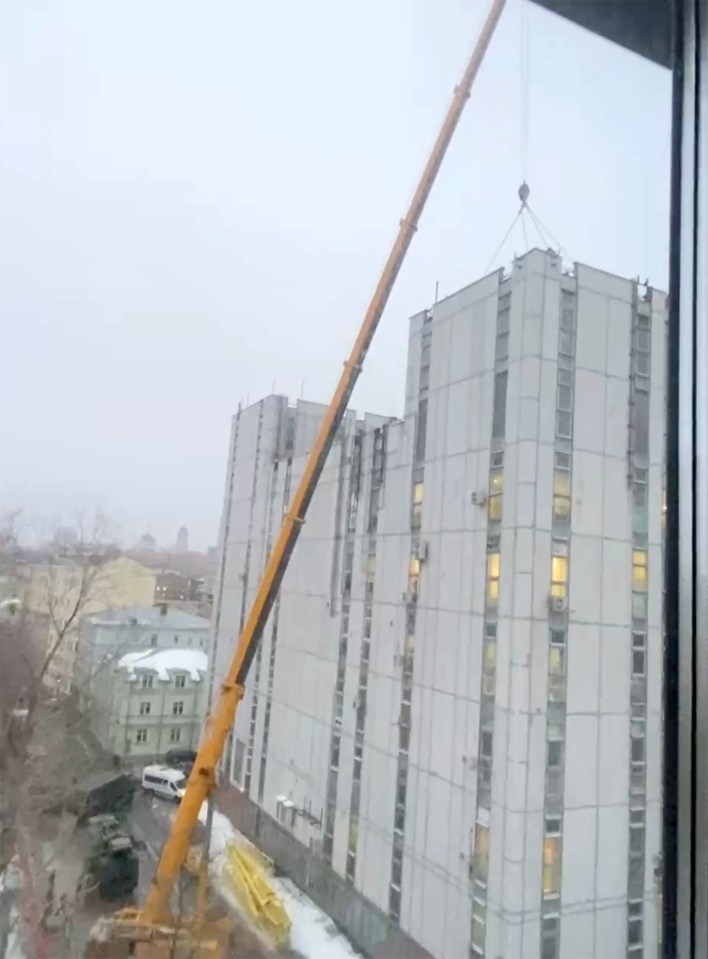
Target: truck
[112,865]
[104,792]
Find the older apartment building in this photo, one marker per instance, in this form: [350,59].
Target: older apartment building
[150,701]
[106,636]
[456,703]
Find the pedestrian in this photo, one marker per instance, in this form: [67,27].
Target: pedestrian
[64,917]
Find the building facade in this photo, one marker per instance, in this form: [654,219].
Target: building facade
[107,636]
[150,701]
[59,595]
[456,702]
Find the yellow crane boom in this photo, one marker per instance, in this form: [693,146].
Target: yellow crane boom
[157,910]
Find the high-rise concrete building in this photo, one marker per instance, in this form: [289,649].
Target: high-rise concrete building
[182,544]
[456,705]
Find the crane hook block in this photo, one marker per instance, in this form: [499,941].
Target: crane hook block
[524,192]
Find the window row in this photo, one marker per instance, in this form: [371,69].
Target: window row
[145,708]
[142,735]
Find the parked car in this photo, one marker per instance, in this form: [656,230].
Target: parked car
[180,758]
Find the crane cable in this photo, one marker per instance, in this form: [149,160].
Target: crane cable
[548,240]
[506,237]
[541,229]
[524,111]
[525,90]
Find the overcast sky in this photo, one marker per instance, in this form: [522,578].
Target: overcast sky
[196,199]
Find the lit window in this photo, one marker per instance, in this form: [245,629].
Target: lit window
[413,576]
[552,850]
[493,565]
[481,852]
[417,494]
[559,576]
[561,495]
[370,568]
[556,661]
[639,570]
[496,498]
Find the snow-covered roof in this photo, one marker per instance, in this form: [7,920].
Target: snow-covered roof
[165,661]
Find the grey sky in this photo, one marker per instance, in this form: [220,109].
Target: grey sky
[197,199]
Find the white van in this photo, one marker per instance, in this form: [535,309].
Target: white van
[164,781]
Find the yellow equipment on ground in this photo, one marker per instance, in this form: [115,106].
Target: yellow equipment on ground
[248,873]
[159,928]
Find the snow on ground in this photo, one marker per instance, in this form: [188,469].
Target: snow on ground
[192,661]
[313,934]
[11,882]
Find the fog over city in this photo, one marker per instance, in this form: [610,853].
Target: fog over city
[197,201]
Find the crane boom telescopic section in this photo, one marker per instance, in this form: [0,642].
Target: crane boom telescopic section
[157,906]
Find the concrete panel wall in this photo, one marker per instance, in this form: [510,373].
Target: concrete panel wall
[440,802]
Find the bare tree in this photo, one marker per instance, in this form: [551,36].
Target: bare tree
[36,732]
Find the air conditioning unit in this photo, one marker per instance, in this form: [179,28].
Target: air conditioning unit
[479,498]
[557,604]
[421,550]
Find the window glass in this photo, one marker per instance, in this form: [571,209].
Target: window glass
[559,576]
[481,852]
[496,487]
[552,849]
[499,406]
[639,570]
[561,495]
